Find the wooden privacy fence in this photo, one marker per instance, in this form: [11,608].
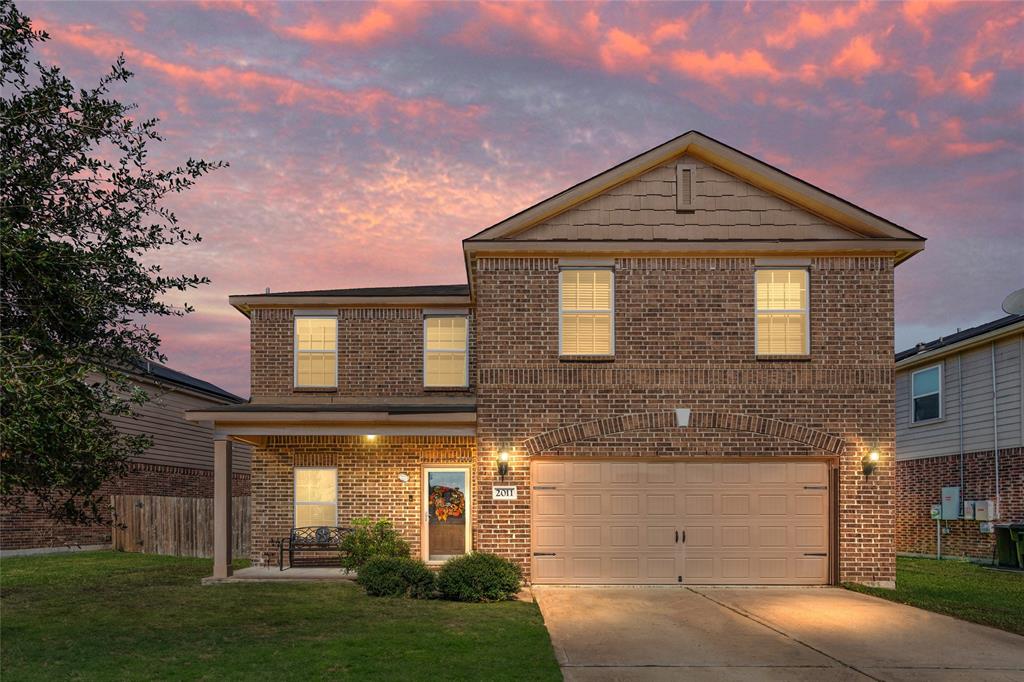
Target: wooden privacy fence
[181,526]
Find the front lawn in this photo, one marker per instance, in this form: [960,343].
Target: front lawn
[958,589]
[108,615]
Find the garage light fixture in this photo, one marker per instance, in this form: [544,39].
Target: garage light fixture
[870,461]
[503,464]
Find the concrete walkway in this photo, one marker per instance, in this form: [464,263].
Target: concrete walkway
[652,633]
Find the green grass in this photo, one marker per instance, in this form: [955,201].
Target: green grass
[107,615]
[958,589]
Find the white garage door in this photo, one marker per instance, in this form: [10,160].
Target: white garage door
[756,521]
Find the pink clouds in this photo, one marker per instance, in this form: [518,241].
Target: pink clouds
[366,140]
[250,88]
[857,59]
[378,22]
[714,68]
[812,24]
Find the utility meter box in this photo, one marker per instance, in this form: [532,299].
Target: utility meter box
[951,502]
[984,510]
[969,509]
[936,511]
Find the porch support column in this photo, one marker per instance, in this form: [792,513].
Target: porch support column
[221,508]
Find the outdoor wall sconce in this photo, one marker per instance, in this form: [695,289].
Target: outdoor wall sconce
[503,464]
[870,461]
[371,438]
[403,477]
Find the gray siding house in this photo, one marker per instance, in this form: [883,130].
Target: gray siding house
[179,463]
[959,423]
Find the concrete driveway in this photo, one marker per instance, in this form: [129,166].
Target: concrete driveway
[653,633]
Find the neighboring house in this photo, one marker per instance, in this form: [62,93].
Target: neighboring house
[669,373]
[179,462]
[953,429]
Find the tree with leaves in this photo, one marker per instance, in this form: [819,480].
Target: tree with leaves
[80,210]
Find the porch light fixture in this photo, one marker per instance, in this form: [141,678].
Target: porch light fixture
[503,464]
[870,461]
[371,438]
[403,477]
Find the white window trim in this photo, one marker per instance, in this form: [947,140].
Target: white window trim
[942,410]
[610,311]
[806,312]
[295,492]
[425,351]
[295,351]
[425,501]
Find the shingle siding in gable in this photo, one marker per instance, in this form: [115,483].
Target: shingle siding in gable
[725,208]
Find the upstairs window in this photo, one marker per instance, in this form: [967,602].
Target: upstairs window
[316,496]
[445,352]
[926,394]
[782,317]
[316,352]
[586,312]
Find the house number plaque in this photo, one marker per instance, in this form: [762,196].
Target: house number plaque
[504,492]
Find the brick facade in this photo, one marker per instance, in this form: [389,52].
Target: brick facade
[368,483]
[684,337]
[380,355]
[32,528]
[919,484]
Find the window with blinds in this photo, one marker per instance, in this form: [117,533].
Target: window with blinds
[782,312]
[446,355]
[316,496]
[586,312]
[316,352]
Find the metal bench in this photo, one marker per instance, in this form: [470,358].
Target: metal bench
[312,539]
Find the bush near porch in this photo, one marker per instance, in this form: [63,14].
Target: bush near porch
[959,589]
[107,615]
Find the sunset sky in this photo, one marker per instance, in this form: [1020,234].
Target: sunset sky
[367,140]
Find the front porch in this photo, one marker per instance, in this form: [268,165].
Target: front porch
[271,574]
[329,464]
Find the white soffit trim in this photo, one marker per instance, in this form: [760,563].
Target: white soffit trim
[228,430]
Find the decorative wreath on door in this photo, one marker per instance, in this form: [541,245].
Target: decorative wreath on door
[447,502]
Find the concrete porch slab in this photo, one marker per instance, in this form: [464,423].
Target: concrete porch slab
[259,574]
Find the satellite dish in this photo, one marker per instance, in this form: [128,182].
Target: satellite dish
[1014,303]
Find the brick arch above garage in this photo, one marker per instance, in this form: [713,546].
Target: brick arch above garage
[666,419]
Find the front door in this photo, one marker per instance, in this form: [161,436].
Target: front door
[446,526]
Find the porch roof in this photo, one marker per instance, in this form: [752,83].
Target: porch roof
[244,422]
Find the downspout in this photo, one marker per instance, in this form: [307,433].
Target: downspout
[960,414]
[995,424]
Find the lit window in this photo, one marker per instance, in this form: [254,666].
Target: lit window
[316,351]
[445,356]
[586,312]
[316,496]
[926,393]
[782,312]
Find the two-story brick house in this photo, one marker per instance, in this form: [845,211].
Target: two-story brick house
[680,365]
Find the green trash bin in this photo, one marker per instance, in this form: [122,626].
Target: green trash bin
[1010,545]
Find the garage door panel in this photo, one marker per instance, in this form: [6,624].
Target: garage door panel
[749,522]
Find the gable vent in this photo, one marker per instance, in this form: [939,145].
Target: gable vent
[685,187]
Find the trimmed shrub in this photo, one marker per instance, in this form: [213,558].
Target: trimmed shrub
[479,577]
[370,539]
[389,576]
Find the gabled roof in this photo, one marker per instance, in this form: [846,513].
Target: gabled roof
[936,347]
[440,295]
[159,373]
[769,178]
